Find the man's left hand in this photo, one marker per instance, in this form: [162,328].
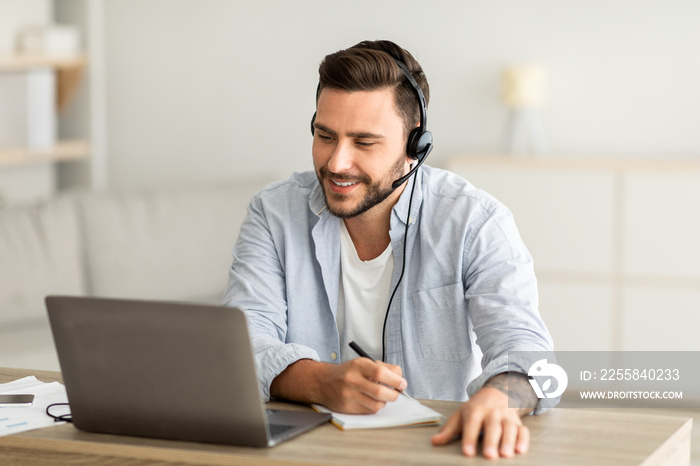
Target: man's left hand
[487,412]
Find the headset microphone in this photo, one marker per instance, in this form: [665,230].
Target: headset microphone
[415,167]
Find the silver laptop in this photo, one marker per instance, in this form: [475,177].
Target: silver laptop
[165,370]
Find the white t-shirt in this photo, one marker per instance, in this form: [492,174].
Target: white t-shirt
[363,298]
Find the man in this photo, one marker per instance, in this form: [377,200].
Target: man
[424,274]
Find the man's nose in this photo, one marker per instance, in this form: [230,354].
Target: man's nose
[341,159]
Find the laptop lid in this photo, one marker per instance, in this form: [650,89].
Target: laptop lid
[166,370]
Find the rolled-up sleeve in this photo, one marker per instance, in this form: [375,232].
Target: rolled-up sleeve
[501,291]
[257,285]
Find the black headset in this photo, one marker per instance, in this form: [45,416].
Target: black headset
[420,140]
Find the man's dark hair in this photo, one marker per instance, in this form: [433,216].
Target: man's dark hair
[371,65]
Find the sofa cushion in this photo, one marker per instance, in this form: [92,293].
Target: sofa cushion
[40,254]
[29,347]
[167,243]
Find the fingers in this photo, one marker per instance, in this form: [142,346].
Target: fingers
[503,436]
[382,379]
[508,438]
[493,431]
[360,403]
[390,375]
[522,444]
[449,430]
[515,439]
[362,386]
[392,367]
[500,427]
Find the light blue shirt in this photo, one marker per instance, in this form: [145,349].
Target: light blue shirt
[468,296]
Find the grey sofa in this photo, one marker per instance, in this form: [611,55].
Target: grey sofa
[169,243]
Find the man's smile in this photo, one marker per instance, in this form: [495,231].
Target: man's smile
[346,183]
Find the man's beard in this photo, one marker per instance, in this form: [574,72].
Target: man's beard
[376,192]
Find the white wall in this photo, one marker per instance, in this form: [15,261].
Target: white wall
[17,14]
[199,90]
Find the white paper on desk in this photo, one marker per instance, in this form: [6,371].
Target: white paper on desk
[15,420]
[404,412]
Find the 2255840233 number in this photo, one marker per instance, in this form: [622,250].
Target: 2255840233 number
[639,374]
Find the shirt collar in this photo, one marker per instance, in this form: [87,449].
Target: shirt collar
[401,207]
[317,202]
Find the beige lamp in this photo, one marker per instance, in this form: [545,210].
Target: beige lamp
[524,93]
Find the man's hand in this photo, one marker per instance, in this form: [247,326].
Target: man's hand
[359,386]
[487,411]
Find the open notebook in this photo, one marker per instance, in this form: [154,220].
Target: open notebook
[404,412]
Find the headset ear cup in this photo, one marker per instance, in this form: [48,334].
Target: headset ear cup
[412,143]
[418,143]
[424,144]
[313,120]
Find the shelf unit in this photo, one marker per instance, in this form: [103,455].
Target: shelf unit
[68,69]
[28,173]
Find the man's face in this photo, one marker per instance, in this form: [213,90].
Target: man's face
[359,149]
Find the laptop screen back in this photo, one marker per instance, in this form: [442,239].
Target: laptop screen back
[155,369]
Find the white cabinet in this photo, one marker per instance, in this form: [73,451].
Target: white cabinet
[579,313]
[616,245]
[662,225]
[662,259]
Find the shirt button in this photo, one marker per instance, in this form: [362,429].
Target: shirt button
[334,356]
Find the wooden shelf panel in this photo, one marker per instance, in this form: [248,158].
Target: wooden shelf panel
[64,151]
[24,62]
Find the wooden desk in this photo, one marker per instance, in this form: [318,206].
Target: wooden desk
[561,436]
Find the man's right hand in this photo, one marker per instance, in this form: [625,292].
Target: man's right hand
[359,386]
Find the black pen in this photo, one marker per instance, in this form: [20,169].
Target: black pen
[364,354]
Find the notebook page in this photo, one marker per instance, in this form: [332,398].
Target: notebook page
[401,413]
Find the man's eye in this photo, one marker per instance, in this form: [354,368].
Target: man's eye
[324,137]
[365,144]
